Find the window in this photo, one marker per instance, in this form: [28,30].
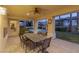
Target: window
[74,22]
[66,23]
[65,16]
[74,14]
[42,25]
[23,23]
[57,17]
[59,23]
[27,24]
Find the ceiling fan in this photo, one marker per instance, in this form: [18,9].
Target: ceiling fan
[36,12]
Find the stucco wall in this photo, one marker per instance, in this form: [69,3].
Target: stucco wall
[3,28]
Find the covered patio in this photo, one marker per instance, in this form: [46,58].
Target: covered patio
[13,14]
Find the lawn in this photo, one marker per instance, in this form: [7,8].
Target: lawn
[73,37]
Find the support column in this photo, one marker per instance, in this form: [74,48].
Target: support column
[53,24]
[51,28]
[35,26]
[78,24]
[3,28]
[17,27]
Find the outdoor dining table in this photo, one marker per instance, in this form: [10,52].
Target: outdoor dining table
[35,37]
[35,40]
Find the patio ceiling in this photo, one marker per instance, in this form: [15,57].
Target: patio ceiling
[20,11]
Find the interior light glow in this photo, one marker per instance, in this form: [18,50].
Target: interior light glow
[2,11]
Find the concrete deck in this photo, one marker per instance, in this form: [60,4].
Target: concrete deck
[13,44]
[56,46]
[62,46]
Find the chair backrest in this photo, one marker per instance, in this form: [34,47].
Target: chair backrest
[20,37]
[46,43]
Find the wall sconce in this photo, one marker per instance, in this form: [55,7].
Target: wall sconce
[49,21]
